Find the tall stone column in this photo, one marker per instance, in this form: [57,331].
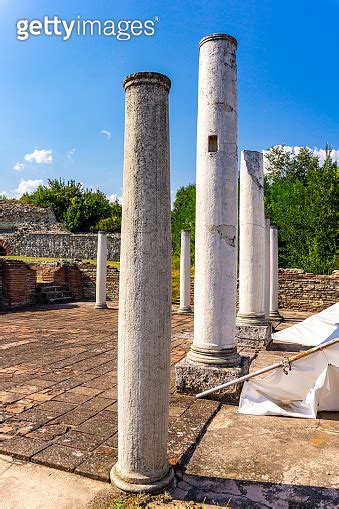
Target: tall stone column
[274,276]
[267,269]
[101,274]
[213,356]
[251,240]
[252,326]
[144,332]
[185,273]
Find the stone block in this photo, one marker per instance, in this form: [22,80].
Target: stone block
[194,378]
[255,336]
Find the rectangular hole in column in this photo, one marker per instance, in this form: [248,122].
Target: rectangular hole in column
[213,143]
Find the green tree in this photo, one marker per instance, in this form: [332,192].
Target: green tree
[300,199]
[183,216]
[112,223]
[78,208]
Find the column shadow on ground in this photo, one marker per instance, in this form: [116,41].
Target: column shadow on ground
[235,493]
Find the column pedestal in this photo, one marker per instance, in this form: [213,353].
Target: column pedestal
[192,378]
[141,484]
[255,336]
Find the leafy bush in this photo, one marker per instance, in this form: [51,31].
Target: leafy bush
[80,209]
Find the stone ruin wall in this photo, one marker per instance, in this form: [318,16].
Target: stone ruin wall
[18,281]
[300,291]
[21,216]
[27,230]
[306,291]
[82,246]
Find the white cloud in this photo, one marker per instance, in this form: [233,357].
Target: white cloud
[42,156]
[108,134]
[320,153]
[18,166]
[70,154]
[113,197]
[27,186]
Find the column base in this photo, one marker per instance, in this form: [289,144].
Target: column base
[185,310]
[193,378]
[222,357]
[275,316]
[101,306]
[255,336]
[142,484]
[251,319]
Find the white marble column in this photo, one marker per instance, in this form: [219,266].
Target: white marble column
[144,333]
[267,269]
[251,240]
[101,274]
[216,204]
[274,275]
[213,356]
[185,273]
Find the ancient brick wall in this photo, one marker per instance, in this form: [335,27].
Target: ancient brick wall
[307,292]
[18,283]
[82,246]
[59,273]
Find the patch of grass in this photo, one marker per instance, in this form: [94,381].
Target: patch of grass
[146,501]
[45,259]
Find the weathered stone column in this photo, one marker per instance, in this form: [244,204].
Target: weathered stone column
[144,333]
[185,273]
[101,274]
[274,276]
[252,326]
[267,269]
[213,357]
[251,240]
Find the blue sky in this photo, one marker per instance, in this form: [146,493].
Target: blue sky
[59,95]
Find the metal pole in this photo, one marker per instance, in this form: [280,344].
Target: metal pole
[286,361]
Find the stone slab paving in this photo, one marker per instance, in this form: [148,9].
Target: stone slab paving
[59,409]
[264,462]
[58,389]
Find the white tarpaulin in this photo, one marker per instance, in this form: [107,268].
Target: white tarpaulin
[313,331]
[311,385]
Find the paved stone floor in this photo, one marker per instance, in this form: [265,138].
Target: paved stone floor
[58,396]
[58,389]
